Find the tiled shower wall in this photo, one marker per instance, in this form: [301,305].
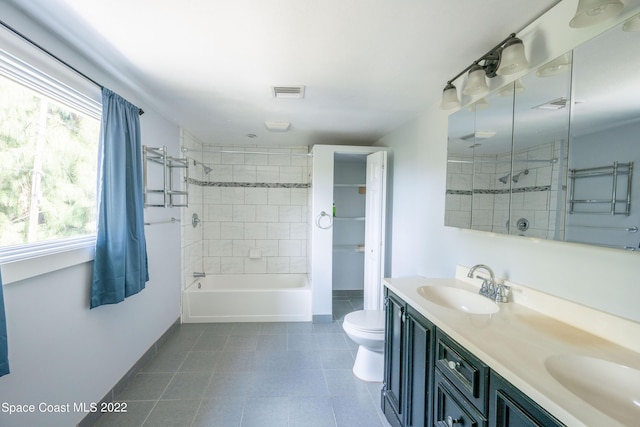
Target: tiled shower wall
[254,211]
[481,200]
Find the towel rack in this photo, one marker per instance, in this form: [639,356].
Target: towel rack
[614,171]
[633,229]
[170,221]
[158,155]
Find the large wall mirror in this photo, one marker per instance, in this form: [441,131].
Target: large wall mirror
[551,155]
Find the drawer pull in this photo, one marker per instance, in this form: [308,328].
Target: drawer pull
[451,421]
[453,365]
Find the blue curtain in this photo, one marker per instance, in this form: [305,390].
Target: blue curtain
[4,349]
[120,267]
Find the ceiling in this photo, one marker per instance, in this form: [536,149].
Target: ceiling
[209,65]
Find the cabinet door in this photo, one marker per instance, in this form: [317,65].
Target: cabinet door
[509,407]
[419,369]
[393,388]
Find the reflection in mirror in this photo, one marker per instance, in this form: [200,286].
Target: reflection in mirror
[460,169]
[492,163]
[540,135]
[604,145]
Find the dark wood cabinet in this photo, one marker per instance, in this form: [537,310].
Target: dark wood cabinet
[409,338]
[431,380]
[509,407]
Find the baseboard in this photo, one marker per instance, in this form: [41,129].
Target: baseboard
[92,417]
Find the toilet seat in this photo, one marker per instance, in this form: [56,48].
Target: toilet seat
[367,321]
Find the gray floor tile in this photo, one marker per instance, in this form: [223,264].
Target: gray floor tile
[337,359]
[221,411]
[271,361]
[272,342]
[200,361]
[210,342]
[328,328]
[269,328]
[331,341]
[266,412]
[231,384]
[187,385]
[356,412]
[217,328]
[231,361]
[297,360]
[180,342]
[173,413]
[145,386]
[302,342]
[241,343]
[299,328]
[246,328]
[136,413]
[266,384]
[307,383]
[165,361]
[343,383]
[311,412]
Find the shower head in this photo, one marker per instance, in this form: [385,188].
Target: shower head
[504,178]
[206,169]
[516,177]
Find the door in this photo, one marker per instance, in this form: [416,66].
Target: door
[375,207]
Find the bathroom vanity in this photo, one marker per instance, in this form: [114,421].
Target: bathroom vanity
[534,361]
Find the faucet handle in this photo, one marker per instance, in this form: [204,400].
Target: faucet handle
[502,292]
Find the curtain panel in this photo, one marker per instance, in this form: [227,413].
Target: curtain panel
[4,348]
[120,267]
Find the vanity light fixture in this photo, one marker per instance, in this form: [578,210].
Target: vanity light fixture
[555,67]
[592,12]
[632,24]
[506,58]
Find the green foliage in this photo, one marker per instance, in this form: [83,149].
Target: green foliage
[64,158]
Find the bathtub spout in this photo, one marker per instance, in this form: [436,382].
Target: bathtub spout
[199,274]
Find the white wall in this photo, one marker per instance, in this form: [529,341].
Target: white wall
[421,245]
[60,351]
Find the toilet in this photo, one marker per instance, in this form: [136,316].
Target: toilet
[366,328]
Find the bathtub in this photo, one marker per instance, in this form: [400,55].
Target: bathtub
[248,298]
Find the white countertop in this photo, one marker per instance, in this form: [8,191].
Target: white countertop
[516,341]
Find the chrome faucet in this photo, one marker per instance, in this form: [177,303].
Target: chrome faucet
[488,288]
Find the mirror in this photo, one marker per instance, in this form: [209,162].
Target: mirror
[550,165]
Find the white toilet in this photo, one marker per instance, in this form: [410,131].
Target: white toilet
[366,328]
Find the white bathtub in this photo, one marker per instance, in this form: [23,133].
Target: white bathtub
[248,298]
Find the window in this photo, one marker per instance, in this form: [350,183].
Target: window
[48,158]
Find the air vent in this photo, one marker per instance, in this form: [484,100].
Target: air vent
[556,104]
[288,92]
[277,126]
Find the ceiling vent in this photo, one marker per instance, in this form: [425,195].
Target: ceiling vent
[288,92]
[556,104]
[277,126]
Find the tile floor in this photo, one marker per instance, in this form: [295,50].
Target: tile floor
[253,374]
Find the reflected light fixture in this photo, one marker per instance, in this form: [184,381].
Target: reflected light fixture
[632,24]
[555,67]
[510,89]
[592,12]
[506,58]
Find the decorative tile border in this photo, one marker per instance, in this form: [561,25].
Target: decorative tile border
[247,184]
[504,191]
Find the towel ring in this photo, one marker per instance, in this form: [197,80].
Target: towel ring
[322,223]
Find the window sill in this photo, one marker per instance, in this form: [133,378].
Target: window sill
[35,260]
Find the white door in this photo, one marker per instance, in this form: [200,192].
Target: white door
[375,205]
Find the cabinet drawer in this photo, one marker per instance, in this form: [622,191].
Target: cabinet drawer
[463,369]
[451,408]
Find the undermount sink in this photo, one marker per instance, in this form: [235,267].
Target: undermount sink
[611,388]
[458,299]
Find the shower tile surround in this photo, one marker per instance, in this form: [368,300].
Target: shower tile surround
[249,204]
[481,192]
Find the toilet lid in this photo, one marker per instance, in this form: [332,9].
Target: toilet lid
[366,320]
